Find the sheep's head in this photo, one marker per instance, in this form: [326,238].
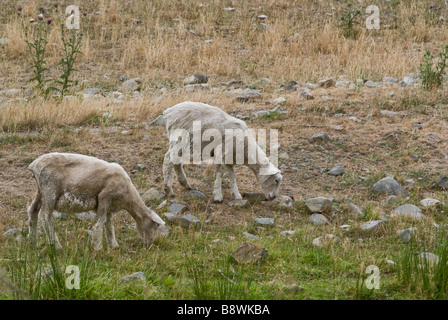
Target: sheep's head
[147,227]
[270,184]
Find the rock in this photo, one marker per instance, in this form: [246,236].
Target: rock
[283,155]
[134,276]
[372,225]
[125,132]
[337,128]
[251,236]
[406,234]
[345,227]
[319,205]
[196,79]
[290,86]
[318,219]
[408,210]
[355,211]
[389,80]
[59,215]
[245,97]
[327,83]
[92,91]
[129,86]
[342,83]
[236,84]
[152,194]
[429,258]
[306,95]
[279,101]
[391,200]
[373,84]
[283,203]
[89,215]
[189,221]
[196,87]
[388,186]
[326,239]
[249,253]
[260,113]
[11,232]
[287,233]
[197,194]
[443,183]
[428,202]
[264,222]
[140,167]
[311,86]
[176,208]
[159,121]
[4,41]
[388,113]
[237,203]
[320,136]
[336,171]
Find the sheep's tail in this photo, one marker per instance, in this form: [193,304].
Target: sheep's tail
[36,204]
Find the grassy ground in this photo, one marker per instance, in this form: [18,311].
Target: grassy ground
[162,42]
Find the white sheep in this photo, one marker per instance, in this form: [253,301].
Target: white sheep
[181,118]
[72,183]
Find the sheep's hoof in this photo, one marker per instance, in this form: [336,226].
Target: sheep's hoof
[218,201]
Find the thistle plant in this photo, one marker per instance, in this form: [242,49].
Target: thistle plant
[348,22]
[431,73]
[36,39]
[71,49]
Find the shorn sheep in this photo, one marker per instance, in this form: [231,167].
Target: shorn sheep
[181,117]
[72,183]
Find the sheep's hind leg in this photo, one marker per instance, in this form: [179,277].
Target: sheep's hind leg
[33,214]
[101,212]
[217,190]
[110,232]
[168,174]
[180,173]
[233,186]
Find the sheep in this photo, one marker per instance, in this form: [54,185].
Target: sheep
[73,183]
[181,118]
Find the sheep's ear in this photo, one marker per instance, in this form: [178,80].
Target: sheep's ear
[155,217]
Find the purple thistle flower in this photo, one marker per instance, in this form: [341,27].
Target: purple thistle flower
[49,21]
[19,9]
[55,5]
[431,6]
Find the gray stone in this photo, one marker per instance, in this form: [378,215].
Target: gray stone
[283,203]
[373,84]
[129,86]
[59,215]
[134,276]
[327,83]
[337,128]
[11,232]
[429,203]
[237,203]
[92,91]
[159,121]
[311,85]
[342,83]
[443,183]
[430,258]
[152,194]
[4,41]
[388,186]
[388,113]
[249,253]
[306,95]
[408,210]
[279,101]
[197,87]
[261,113]
[264,222]
[319,205]
[248,95]
[196,79]
[197,194]
[336,171]
[372,225]
[406,234]
[251,236]
[355,211]
[326,239]
[189,221]
[320,136]
[89,215]
[176,208]
[318,219]
[288,233]
[391,200]
[389,80]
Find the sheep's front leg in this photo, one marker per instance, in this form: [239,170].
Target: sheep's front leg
[101,212]
[180,173]
[110,232]
[47,215]
[168,174]
[217,191]
[233,186]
